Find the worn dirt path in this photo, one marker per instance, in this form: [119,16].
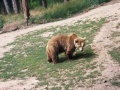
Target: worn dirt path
[102,44]
[99,44]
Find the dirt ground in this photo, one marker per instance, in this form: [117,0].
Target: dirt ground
[102,43]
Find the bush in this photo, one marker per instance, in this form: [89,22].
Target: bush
[101,1]
[63,10]
[38,3]
[1,22]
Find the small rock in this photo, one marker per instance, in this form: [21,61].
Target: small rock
[105,81]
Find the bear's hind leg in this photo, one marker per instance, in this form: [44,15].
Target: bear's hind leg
[49,58]
[55,59]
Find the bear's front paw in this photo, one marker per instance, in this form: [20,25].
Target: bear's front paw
[55,62]
[70,58]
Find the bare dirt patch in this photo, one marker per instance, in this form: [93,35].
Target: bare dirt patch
[46,34]
[26,84]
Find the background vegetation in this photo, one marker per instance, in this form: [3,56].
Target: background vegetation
[56,10]
[37,3]
[1,22]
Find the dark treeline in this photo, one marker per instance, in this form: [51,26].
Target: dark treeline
[10,5]
[56,11]
[15,6]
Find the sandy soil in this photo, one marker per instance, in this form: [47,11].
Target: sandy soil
[101,44]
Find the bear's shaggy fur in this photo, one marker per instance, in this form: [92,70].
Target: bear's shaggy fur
[63,43]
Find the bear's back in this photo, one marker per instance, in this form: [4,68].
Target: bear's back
[59,40]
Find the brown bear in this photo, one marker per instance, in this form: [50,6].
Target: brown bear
[63,43]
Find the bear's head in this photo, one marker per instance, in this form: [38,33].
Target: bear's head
[79,43]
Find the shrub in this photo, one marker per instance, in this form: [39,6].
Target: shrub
[38,3]
[1,22]
[63,10]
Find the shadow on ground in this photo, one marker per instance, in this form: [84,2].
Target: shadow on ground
[77,56]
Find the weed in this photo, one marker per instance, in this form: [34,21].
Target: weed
[59,11]
[115,54]
[13,18]
[56,10]
[115,34]
[118,26]
[116,84]
[56,88]
[63,10]
[116,81]
[1,22]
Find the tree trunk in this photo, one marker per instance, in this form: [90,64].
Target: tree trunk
[6,6]
[66,0]
[25,10]
[15,6]
[2,8]
[44,3]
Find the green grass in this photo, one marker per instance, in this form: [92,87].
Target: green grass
[38,3]
[115,54]
[116,81]
[28,57]
[59,11]
[64,10]
[1,22]
[56,10]
[13,18]
[118,26]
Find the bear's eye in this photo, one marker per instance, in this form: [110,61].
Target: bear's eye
[76,41]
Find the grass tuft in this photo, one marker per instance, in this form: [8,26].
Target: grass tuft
[1,22]
[116,81]
[64,10]
[115,54]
